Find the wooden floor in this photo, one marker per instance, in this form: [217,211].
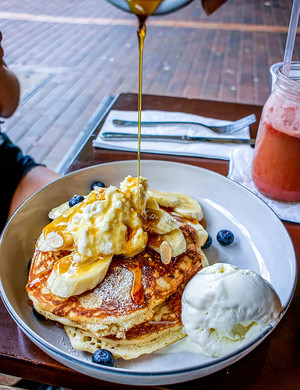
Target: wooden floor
[89,51]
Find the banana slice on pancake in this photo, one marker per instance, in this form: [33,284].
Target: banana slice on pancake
[151,203]
[59,210]
[54,241]
[201,233]
[175,240]
[164,198]
[180,203]
[161,222]
[70,277]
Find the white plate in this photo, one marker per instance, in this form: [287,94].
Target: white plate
[261,244]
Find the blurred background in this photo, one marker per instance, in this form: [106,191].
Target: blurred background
[70,55]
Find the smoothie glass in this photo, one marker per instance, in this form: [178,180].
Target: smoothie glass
[276,162]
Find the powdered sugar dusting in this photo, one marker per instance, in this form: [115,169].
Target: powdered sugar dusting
[113,293]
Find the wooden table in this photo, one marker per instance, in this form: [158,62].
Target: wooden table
[274,364]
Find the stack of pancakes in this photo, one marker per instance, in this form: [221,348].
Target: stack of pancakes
[135,309]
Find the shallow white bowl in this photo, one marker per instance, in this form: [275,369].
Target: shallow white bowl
[262,244]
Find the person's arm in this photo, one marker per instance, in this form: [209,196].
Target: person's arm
[38,176]
[35,179]
[9,88]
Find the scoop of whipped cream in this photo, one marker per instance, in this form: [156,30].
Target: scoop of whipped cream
[224,307]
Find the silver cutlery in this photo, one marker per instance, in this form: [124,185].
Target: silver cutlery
[220,129]
[111,136]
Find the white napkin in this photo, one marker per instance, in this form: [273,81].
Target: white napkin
[198,149]
[240,171]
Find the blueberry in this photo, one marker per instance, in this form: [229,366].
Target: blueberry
[75,199]
[97,184]
[103,356]
[225,237]
[29,265]
[37,314]
[207,243]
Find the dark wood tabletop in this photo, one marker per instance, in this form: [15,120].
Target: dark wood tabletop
[274,364]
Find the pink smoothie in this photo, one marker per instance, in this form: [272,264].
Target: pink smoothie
[276,164]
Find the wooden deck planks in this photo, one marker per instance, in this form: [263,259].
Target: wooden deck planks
[91,50]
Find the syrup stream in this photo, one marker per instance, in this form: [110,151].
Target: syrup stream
[142,9]
[141,33]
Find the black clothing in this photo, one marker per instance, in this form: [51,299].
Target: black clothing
[13,166]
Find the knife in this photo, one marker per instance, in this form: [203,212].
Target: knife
[112,136]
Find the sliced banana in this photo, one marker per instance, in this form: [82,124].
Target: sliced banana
[54,241]
[58,211]
[175,240]
[164,198]
[202,234]
[188,207]
[181,203]
[51,242]
[162,222]
[42,244]
[151,203]
[61,209]
[70,278]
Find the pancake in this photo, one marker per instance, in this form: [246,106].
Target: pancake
[163,329]
[128,295]
[112,267]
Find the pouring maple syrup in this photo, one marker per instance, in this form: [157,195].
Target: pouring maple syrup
[142,9]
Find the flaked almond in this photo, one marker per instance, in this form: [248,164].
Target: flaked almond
[54,240]
[165,252]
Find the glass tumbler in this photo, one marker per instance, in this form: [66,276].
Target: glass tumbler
[276,162]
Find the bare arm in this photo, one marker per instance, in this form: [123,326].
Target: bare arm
[31,182]
[38,176]
[9,88]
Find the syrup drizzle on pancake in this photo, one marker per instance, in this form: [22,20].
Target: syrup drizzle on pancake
[137,290]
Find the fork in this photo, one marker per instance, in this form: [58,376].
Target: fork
[224,129]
